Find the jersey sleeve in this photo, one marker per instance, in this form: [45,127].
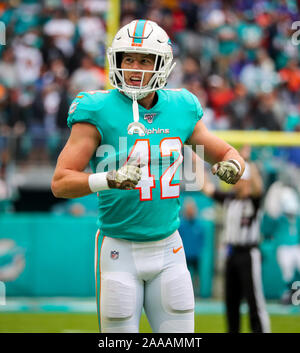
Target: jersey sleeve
[198,108]
[83,110]
[194,108]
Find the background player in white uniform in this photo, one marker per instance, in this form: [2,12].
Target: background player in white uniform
[140,261]
[282,223]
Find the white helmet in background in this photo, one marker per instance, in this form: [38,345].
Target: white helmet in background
[145,37]
[289,201]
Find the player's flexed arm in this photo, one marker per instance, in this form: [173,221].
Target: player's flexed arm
[70,180]
[227,163]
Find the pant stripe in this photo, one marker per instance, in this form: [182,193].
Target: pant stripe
[258,290]
[99,241]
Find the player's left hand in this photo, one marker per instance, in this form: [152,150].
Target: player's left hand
[228,171]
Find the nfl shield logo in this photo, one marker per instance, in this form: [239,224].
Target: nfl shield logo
[149,117]
[114,254]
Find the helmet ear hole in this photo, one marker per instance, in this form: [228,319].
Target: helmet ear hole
[158,62]
[119,57]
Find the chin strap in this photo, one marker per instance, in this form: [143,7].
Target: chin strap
[136,127]
[135,110]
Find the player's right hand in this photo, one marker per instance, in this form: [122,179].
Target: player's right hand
[228,171]
[126,178]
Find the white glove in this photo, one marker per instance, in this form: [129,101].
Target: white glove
[228,171]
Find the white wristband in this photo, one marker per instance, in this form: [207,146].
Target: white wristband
[98,182]
[247,173]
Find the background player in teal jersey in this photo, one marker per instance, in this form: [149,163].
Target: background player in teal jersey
[139,256]
[284,227]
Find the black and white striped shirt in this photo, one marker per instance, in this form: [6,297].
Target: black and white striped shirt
[241,223]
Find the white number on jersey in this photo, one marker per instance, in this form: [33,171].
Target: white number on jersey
[167,147]
[141,154]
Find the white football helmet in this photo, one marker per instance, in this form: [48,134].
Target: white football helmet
[146,37]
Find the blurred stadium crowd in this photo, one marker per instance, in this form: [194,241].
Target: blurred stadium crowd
[236,56]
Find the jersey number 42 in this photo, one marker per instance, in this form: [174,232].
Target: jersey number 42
[141,151]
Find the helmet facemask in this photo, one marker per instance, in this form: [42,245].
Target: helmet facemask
[162,68]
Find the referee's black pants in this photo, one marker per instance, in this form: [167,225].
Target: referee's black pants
[243,280]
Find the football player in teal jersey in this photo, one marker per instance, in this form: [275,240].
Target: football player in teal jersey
[139,256]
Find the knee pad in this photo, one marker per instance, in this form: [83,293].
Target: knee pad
[177,292]
[118,295]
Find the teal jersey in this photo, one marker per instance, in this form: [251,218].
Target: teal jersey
[287,230]
[284,229]
[151,211]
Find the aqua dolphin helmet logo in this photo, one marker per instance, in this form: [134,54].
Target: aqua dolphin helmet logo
[12,260]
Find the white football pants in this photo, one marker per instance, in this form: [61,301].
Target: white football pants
[132,275]
[288,257]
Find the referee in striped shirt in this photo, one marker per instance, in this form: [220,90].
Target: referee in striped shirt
[243,260]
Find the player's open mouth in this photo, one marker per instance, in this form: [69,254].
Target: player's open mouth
[135,81]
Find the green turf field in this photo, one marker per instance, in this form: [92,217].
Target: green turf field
[75,322]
